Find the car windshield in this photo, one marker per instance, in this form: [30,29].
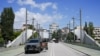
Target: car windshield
[33,41]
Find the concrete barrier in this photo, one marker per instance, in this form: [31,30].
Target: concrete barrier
[20,39]
[86,39]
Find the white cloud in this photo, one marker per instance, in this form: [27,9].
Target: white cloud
[41,18]
[10,1]
[33,4]
[43,6]
[54,6]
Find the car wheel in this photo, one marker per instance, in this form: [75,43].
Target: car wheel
[26,52]
[39,50]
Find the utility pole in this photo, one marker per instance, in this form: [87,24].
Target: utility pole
[37,29]
[69,26]
[67,31]
[81,27]
[33,27]
[74,27]
[26,27]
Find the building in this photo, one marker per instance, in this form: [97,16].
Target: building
[44,33]
[24,26]
[53,28]
[65,30]
[96,32]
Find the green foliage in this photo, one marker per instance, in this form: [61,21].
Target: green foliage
[31,27]
[7,20]
[86,27]
[54,35]
[70,37]
[35,35]
[1,40]
[64,36]
[89,28]
[16,34]
[57,35]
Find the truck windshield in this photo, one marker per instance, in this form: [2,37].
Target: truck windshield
[33,41]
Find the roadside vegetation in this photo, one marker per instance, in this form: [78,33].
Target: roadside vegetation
[6,26]
[89,29]
[57,34]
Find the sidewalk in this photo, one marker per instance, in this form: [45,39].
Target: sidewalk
[12,52]
[89,51]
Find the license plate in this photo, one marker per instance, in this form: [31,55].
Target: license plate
[30,48]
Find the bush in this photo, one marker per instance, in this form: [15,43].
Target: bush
[70,37]
[15,34]
[1,40]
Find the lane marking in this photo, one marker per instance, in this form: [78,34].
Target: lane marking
[53,54]
[52,50]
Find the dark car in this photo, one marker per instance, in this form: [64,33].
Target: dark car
[33,45]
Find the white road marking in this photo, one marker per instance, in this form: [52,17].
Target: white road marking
[55,49]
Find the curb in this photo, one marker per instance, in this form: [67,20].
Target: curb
[77,50]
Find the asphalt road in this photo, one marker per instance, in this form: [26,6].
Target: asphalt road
[55,49]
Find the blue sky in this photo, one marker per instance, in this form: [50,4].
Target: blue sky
[46,12]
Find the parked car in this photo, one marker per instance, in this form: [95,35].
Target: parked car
[33,45]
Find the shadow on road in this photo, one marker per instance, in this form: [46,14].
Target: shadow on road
[32,52]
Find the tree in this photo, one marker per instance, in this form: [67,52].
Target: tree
[31,27]
[70,36]
[35,35]
[1,40]
[86,27]
[54,35]
[59,33]
[7,21]
[90,29]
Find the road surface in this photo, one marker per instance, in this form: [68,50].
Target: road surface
[55,49]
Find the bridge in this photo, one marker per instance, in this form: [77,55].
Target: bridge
[55,49]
